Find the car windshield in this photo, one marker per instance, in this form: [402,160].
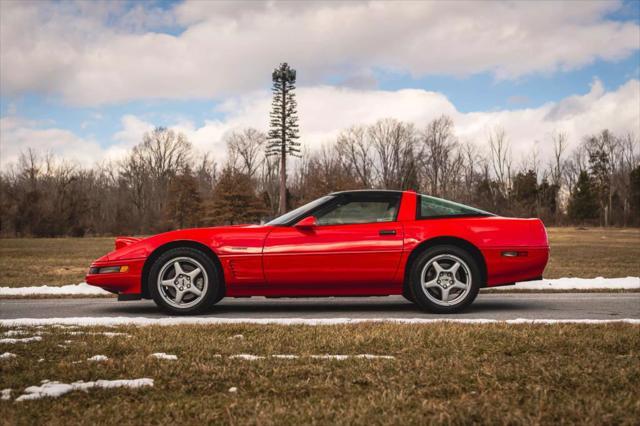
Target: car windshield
[437,207]
[287,217]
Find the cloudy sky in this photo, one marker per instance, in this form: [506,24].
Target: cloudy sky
[85,80]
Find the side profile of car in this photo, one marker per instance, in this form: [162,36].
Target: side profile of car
[436,253]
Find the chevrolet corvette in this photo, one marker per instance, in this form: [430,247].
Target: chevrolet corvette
[436,253]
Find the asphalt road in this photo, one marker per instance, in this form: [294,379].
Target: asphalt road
[488,306]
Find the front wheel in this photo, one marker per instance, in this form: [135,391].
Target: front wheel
[444,279]
[184,281]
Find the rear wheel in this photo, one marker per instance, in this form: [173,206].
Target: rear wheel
[184,281]
[444,279]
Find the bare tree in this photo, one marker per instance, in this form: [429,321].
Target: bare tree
[441,162]
[559,140]
[500,159]
[148,170]
[472,164]
[394,143]
[163,152]
[246,149]
[577,163]
[355,150]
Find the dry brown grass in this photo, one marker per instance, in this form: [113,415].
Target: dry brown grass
[51,261]
[574,253]
[444,373]
[595,252]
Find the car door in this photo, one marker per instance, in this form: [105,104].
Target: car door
[355,248]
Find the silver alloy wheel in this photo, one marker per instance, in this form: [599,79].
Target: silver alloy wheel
[182,282]
[446,280]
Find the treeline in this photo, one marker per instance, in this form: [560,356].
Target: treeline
[162,184]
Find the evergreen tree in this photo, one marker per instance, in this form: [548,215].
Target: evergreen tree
[283,132]
[234,200]
[600,170]
[184,206]
[547,198]
[583,204]
[525,193]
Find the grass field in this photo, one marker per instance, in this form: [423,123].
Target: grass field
[590,253]
[51,261]
[574,253]
[445,373]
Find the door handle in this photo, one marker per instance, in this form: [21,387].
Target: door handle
[387,232]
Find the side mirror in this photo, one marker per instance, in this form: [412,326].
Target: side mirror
[307,223]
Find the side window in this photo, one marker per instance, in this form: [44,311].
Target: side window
[437,207]
[359,209]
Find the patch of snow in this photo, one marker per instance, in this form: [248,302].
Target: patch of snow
[340,357]
[41,360]
[285,356]
[15,333]
[99,333]
[56,389]
[169,321]
[326,356]
[72,289]
[7,355]
[627,283]
[246,357]
[21,340]
[369,356]
[6,394]
[233,389]
[98,358]
[237,336]
[162,355]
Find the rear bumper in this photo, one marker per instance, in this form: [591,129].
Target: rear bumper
[527,266]
[122,283]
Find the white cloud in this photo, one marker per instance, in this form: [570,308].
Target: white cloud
[108,53]
[325,110]
[17,135]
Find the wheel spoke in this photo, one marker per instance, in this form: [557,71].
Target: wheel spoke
[168,283]
[459,284]
[195,290]
[430,284]
[179,295]
[178,268]
[445,294]
[193,274]
[454,268]
[437,267]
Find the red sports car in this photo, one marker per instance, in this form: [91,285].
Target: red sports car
[436,253]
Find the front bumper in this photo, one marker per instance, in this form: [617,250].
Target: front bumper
[122,283]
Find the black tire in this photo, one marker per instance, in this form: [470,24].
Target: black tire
[406,293]
[444,252]
[212,294]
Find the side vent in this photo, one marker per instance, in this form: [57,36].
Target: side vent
[232,268]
